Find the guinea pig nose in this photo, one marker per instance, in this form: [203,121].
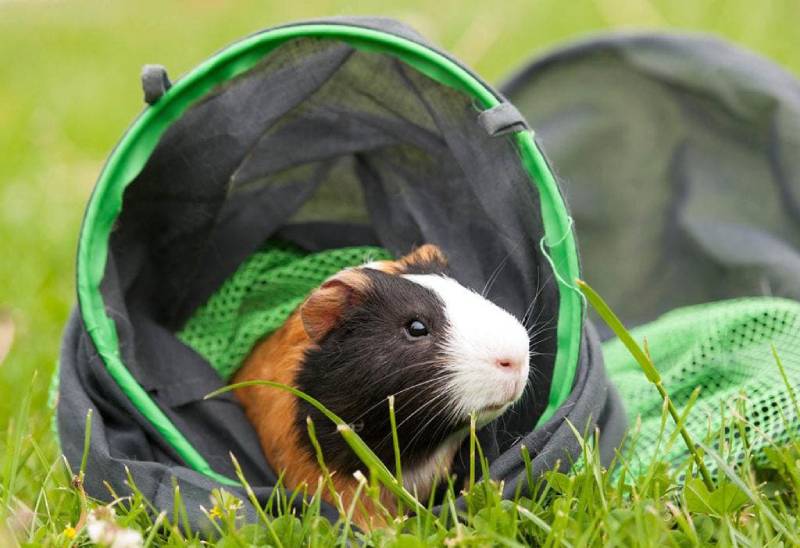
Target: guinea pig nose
[508,364]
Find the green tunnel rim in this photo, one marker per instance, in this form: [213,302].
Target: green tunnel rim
[135,147]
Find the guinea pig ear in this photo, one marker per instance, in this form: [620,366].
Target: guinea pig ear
[426,258]
[325,307]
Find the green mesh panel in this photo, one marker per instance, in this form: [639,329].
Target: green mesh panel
[725,348]
[260,296]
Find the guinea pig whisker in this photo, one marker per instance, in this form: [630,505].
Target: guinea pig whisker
[373,354]
[527,313]
[410,445]
[539,288]
[407,444]
[407,368]
[534,372]
[421,429]
[537,325]
[528,390]
[537,321]
[410,401]
[427,363]
[448,420]
[384,402]
[427,404]
[541,331]
[539,339]
[454,413]
[416,385]
[494,275]
[529,310]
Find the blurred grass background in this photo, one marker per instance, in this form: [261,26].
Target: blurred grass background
[69,86]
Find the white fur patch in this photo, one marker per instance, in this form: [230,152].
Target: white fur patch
[420,478]
[480,335]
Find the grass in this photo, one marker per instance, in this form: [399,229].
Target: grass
[659,505]
[68,89]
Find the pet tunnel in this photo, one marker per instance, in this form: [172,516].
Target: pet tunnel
[326,136]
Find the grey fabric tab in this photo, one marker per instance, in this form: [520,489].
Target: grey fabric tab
[501,119]
[155,82]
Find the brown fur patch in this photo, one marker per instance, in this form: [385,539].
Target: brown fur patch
[428,254]
[272,412]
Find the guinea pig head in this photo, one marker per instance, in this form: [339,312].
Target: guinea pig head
[404,328]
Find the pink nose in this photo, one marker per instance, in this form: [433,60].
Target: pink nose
[508,364]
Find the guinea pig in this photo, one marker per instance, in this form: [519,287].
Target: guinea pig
[399,328]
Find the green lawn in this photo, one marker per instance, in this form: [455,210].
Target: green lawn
[69,87]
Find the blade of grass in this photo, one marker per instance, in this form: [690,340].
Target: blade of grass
[398,466]
[362,482]
[526,459]
[327,479]
[786,383]
[646,363]
[472,443]
[251,495]
[154,529]
[87,438]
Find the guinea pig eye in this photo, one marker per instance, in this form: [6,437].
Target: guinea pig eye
[416,328]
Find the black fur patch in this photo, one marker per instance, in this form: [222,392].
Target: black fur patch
[370,356]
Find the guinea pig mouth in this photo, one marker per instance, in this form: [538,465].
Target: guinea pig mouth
[493,408]
[488,413]
[484,415]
